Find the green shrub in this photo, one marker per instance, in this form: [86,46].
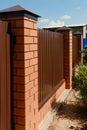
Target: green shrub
[80,82]
[84,53]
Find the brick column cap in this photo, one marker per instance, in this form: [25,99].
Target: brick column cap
[64,28]
[16,11]
[77,33]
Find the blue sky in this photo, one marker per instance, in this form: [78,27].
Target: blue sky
[53,12]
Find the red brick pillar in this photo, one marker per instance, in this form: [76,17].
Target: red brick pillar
[67,38]
[31,74]
[23,26]
[79,36]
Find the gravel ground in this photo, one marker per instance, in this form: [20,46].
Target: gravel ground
[69,115]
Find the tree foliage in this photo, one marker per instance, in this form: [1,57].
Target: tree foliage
[80,82]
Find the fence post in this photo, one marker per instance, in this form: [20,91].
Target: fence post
[79,36]
[67,38]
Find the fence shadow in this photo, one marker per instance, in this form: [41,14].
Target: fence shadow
[70,111]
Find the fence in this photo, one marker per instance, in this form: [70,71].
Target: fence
[5,99]
[54,67]
[76,50]
[51,63]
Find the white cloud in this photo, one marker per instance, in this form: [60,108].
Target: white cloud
[47,22]
[66,17]
[44,20]
[56,23]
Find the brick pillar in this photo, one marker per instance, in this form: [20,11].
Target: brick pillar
[31,74]
[67,38]
[79,36]
[23,26]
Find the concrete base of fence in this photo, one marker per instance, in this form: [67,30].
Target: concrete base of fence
[49,117]
[47,106]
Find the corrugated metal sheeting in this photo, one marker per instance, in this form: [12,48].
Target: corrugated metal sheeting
[5,105]
[51,63]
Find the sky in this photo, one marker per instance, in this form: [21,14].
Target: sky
[53,12]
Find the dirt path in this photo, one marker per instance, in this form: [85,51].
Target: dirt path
[69,115]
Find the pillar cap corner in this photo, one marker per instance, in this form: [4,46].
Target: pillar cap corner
[78,33]
[63,28]
[16,11]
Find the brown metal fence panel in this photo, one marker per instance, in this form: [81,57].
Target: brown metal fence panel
[58,70]
[5,121]
[51,71]
[75,51]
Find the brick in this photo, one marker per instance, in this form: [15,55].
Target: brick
[29,70]
[20,88]
[19,112]
[30,124]
[20,64]
[26,32]
[16,18]
[33,76]
[19,48]
[19,56]
[18,32]
[35,40]
[30,101]
[20,72]
[26,48]
[28,39]
[30,93]
[35,26]
[20,23]
[19,96]
[35,68]
[34,96]
[14,71]
[28,24]
[33,90]
[20,104]
[20,120]
[19,127]
[29,108]
[15,103]
[20,39]
[33,32]
[26,97]
[18,79]
[36,81]
[13,23]
[26,79]
[28,55]
[33,61]
[26,63]
[35,54]
[29,85]
[33,47]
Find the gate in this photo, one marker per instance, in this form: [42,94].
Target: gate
[5,107]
